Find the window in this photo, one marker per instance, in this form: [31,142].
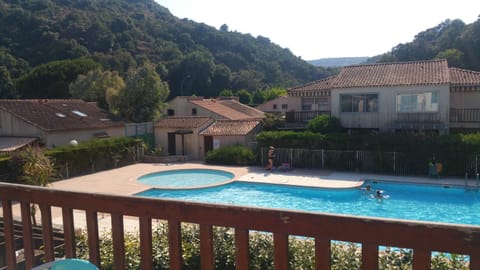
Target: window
[284,106]
[194,111]
[274,106]
[359,103]
[420,102]
[170,112]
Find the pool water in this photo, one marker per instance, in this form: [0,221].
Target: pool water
[405,201]
[186,178]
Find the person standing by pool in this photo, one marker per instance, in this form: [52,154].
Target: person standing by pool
[270,155]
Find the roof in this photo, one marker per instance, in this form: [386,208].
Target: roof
[323,84]
[230,109]
[460,76]
[394,74]
[10,144]
[183,122]
[59,114]
[230,128]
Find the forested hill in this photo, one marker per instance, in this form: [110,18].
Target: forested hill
[194,58]
[453,40]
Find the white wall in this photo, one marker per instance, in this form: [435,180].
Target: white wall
[387,105]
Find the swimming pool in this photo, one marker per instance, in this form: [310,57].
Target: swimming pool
[406,201]
[183,178]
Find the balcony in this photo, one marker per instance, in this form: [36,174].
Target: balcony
[418,121]
[371,233]
[303,116]
[464,118]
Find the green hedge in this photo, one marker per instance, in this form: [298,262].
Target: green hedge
[231,155]
[301,252]
[84,158]
[95,155]
[457,152]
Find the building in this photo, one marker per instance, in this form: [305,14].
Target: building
[195,125]
[55,122]
[221,108]
[425,96]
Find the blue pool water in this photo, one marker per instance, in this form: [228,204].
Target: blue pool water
[186,178]
[405,201]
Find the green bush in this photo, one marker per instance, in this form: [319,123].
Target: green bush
[324,124]
[95,155]
[344,255]
[231,155]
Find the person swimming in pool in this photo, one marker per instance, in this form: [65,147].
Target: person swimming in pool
[379,195]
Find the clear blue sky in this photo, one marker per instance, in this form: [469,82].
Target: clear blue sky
[316,29]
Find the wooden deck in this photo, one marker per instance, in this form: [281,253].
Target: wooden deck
[423,238]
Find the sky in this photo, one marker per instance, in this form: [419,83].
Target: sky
[314,29]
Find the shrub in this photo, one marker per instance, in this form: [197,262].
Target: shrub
[344,255]
[324,124]
[230,155]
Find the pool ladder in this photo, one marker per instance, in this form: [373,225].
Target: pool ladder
[476,185]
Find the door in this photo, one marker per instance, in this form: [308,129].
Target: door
[208,143]
[172,145]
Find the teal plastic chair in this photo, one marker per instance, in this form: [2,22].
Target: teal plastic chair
[66,264]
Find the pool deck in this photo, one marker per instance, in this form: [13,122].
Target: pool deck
[123,181]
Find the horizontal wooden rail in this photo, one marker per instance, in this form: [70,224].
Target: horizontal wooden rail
[423,238]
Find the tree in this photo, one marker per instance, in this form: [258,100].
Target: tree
[7,88]
[324,124]
[226,93]
[98,86]
[453,56]
[51,80]
[144,95]
[34,168]
[244,96]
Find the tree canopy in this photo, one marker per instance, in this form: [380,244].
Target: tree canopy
[193,58]
[453,40]
[144,95]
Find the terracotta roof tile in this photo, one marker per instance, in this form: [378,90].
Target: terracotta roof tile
[460,76]
[182,122]
[59,114]
[323,84]
[230,128]
[393,74]
[229,109]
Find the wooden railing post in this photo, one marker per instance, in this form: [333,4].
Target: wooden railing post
[207,257]
[69,232]
[322,254]
[47,232]
[146,258]
[175,244]
[369,256]
[118,240]
[93,237]
[422,259]
[28,247]
[9,235]
[280,242]
[242,249]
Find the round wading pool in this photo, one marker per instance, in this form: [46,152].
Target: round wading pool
[186,178]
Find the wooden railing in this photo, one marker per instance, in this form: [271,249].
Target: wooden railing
[464,115]
[423,238]
[303,116]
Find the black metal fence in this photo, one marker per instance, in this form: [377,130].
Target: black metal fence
[393,163]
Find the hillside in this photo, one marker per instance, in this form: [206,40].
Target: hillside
[120,34]
[453,40]
[338,61]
